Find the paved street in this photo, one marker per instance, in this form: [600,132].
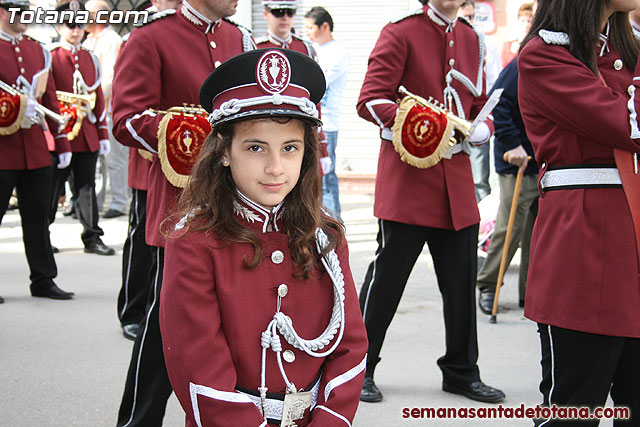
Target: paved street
[64,362]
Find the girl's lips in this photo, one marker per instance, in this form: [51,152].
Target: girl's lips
[272,187]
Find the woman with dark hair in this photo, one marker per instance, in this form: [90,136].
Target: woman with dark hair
[259,314]
[576,78]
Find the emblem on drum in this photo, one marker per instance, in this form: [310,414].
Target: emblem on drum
[273,72]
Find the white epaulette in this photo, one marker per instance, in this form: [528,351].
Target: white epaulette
[554,37]
[247,40]
[52,46]
[407,15]
[156,16]
[262,39]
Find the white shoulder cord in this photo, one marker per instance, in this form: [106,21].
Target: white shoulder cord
[282,323]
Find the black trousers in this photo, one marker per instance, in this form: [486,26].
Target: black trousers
[83,166]
[455,262]
[581,369]
[33,189]
[147,387]
[136,264]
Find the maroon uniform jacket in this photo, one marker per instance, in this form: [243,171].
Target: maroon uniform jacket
[296,43]
[27,148]
[583,273]
[138,170]
[417,52]
[67,59]
[163,65]
[213,312]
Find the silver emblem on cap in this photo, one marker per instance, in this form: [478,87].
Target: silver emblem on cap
[273,72]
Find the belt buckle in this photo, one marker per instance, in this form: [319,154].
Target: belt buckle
[295,405]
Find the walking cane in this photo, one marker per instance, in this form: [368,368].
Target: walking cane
[507,238]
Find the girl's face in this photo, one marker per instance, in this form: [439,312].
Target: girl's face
[265,159]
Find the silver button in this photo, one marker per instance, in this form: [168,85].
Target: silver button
[22,70]
[17,49]
[617,64]
[19,58]
[217,64]
[75,57]
[450,43]
[283,290]
[288,356]
[76,66]
[452,61]
[213,44]
[277,257]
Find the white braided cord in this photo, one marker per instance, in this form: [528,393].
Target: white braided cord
[233,106]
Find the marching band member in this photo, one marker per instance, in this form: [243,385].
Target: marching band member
[259,313]
[424,191]
[279,15]
[77,72]
[25,162]
[576,78]
[162,66]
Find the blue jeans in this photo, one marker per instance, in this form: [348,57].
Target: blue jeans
[330,192]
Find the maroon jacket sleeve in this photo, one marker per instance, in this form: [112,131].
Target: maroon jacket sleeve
[50,101]
[100,111]
[553,74]
[196,351]
[136,89]
[343,370]
[384,73]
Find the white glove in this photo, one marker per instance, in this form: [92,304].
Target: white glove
[325,163]
[105,147]
[64,159]
[480,135]
[31,112]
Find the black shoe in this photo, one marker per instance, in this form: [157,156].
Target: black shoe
[54,249]
[112,213]
[370,393]
[130,332]
[1,300]
[48,289]
[99,248]
[485,300]
[476,390]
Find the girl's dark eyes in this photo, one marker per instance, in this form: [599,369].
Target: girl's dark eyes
[254,148]
[290,148]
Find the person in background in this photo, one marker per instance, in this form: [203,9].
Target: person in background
[480,156]
[105,43]
[510,48]
[25,163]
[579,94]
[334,61]
[279,16]
[77,71]
[510,139]
[434,205]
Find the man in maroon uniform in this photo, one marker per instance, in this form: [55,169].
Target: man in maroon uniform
[162,65]
[25,163]
[433,54]
[279,15]
[77,71]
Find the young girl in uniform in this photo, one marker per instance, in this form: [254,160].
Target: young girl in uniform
[259,314]
[578,97]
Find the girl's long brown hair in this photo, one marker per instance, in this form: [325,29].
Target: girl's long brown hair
[208,200]
[580,19]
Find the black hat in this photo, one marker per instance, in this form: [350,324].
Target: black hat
[73,5]
[264,83]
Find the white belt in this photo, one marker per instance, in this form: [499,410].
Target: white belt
[274,407]
[580,177]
